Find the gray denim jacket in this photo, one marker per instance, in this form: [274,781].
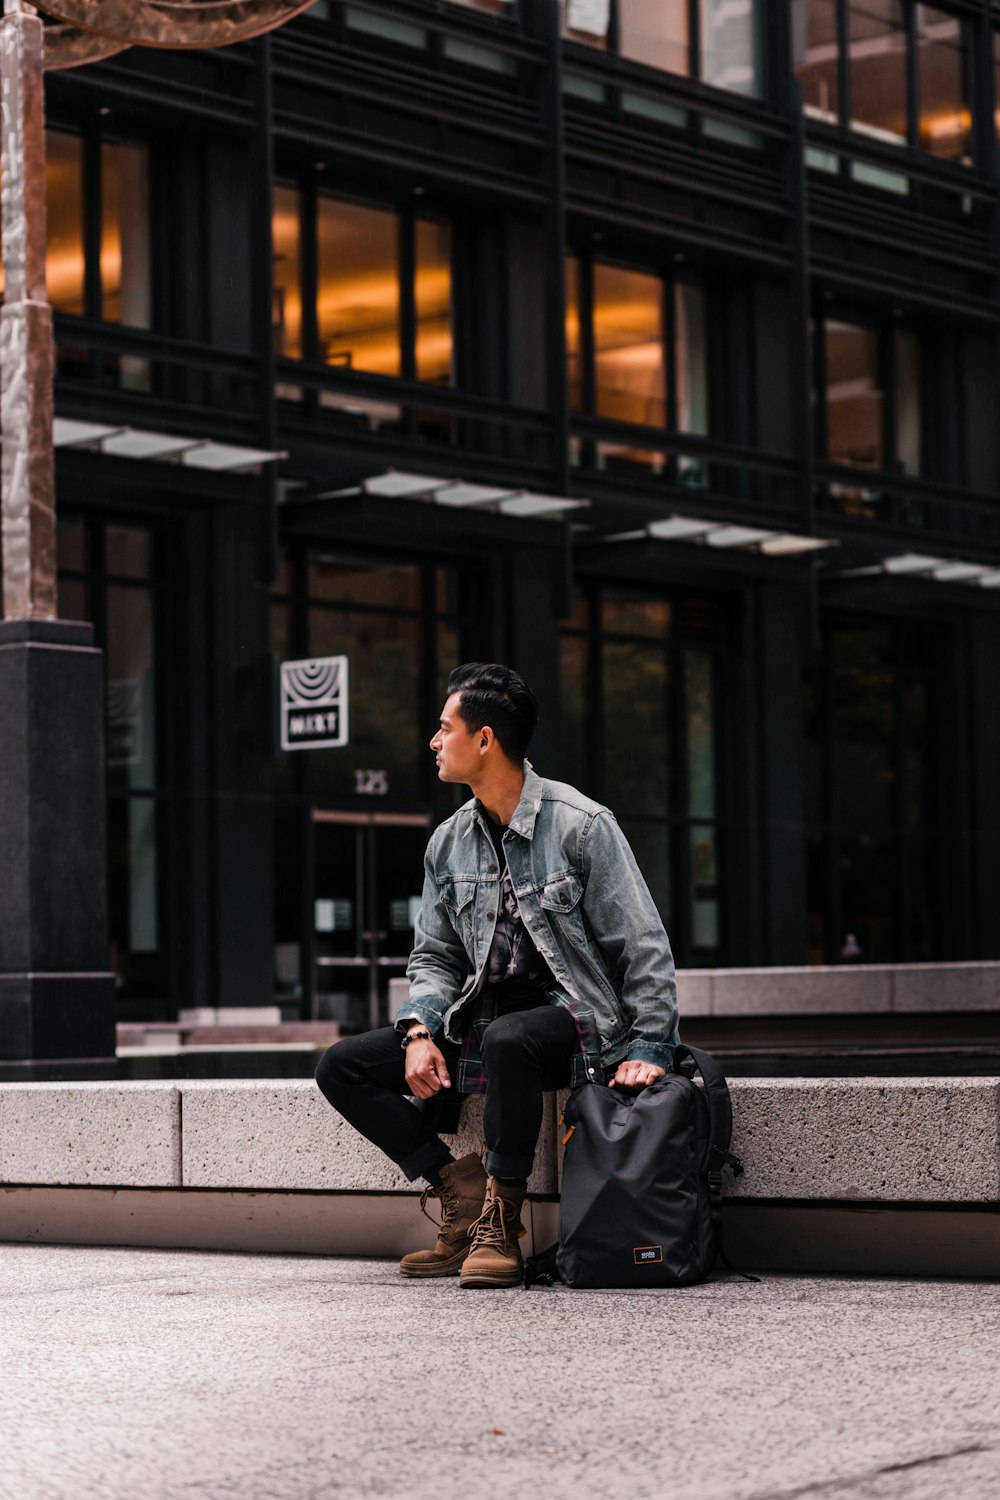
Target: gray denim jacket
[584,902]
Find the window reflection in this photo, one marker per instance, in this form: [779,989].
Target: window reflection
[945,118]
[286,233]
[908,454]
[628,346]
[689,349]
[729,45]
[64,266]
[357,304]
[574,350]
[877,51]
[432,301]
[854,396]
[586,21]
[816,56]
[125,280]
[655,32]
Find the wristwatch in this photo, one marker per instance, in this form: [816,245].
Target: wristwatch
[415,1036]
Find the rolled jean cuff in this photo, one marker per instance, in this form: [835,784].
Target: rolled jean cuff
[431,1155]
[517,1167]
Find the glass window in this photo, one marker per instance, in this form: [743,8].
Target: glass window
[64,271]
[656,32]
[358,303]
[816,56]
[996,84]
[432,300]
[491,7]
[586,21]
[574,348]
[636,728]
[945,117]
[131,701]
[728,34]
[286,233]
[125,256]
[854,396]
[877,53]
[629,368]
[908,424]
[692,372]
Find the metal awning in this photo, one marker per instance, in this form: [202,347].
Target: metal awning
[159,447]
[932,569]
[706,532]
[459,494]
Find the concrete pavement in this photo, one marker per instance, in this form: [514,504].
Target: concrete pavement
[169,1375]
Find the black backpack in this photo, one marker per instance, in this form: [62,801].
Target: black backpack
[641,1195]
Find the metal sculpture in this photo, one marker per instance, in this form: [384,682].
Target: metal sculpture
[84,31]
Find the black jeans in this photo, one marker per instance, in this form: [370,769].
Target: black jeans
[525,1053]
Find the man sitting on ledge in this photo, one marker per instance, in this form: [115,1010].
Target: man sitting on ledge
[540,962]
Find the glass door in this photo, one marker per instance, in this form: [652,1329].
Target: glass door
[367,878]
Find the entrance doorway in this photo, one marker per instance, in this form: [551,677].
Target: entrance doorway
[367,876]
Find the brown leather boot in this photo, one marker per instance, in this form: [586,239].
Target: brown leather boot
[461,1194]
[495,1256]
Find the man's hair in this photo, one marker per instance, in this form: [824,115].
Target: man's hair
[498,696]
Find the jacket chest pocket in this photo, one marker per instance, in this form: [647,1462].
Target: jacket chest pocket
[457,895]
[561,896]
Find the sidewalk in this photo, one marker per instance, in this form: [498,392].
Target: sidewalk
[171,1375]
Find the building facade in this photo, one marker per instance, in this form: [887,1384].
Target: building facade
[649,345]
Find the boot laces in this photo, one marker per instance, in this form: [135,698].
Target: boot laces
[491,1228]
[449,1206]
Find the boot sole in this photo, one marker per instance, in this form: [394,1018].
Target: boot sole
[483,1280]
[450,1268]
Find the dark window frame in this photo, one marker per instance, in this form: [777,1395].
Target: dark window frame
[695,71]
[311,188]
[885,327]
[912,70]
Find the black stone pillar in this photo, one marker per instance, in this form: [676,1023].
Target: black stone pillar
[56,993]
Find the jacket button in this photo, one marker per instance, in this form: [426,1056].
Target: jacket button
[563,899]
[491,869]
[489,916]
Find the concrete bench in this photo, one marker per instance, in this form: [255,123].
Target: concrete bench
[884,1175]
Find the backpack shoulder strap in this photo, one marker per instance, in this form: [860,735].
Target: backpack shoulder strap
[720,1115]
[720,1105]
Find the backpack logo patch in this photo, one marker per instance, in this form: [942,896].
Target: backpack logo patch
[643,1254]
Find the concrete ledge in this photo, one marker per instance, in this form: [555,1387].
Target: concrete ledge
[379,1224]
[122,1135]
[269,1166]
[934,1140]
[283,1135]
[840,989]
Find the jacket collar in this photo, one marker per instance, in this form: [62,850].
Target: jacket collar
[523,817]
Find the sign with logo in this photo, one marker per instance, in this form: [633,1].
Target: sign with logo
[314,703]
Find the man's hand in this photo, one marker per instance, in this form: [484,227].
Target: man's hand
[426,1070]
[634,1075]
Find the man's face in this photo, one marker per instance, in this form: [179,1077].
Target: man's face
[456,746]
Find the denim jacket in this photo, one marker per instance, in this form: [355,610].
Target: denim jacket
[588,911]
